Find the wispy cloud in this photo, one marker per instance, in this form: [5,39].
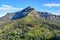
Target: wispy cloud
[52,5]
[8,7]
[57,12]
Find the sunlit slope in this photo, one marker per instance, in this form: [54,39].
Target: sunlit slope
[31,25]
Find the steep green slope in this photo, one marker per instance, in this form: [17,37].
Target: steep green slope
[31,27]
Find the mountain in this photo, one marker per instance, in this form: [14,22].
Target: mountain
[28,24]
[26,11]
[49,16]
[17,15]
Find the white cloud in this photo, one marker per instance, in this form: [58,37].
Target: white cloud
[52,5]
[57,12]
[7,7]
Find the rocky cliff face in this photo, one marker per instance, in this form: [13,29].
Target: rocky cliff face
[22,13]
[49,16]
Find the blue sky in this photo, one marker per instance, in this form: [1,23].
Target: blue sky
[52,6]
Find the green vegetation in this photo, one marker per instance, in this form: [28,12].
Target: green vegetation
[31,27]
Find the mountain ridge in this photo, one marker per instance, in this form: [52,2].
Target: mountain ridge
[26,11]
[32,26]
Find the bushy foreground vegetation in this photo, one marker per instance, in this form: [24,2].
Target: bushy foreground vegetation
[30,28]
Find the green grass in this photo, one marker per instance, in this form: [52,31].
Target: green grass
[32,27]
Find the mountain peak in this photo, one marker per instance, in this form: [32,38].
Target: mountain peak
[23,13]
[19,14]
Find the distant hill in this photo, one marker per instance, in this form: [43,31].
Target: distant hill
[49,16]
